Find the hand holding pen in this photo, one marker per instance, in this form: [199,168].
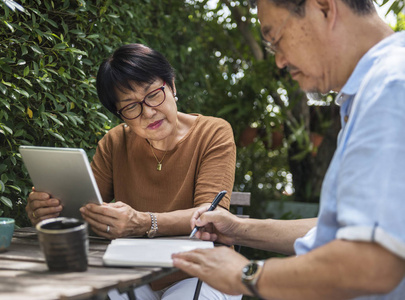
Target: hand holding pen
[213,205]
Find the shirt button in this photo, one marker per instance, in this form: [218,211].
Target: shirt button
[346,118]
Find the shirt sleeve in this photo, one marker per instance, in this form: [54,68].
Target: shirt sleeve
[370,184]
[216,171]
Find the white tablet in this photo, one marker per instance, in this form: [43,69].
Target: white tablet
[65,174]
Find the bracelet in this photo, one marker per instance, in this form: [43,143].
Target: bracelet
[153,227]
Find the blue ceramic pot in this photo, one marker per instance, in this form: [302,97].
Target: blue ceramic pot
[6,233]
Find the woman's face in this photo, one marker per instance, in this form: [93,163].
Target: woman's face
[155,123]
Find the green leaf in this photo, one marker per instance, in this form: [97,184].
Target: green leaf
[19,132]
[59,46]
[2,187]
[9,26]
[9,130]
[6,68]
[24,50]
[56,120]
[22,92]
[3,89]
[3,167]
[6,201]
[4,178]
[36,68]
[18,189]
[93,36]
[36,49]
[21,62]
[26,70]
[57,135]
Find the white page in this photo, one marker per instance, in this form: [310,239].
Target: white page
[149,252]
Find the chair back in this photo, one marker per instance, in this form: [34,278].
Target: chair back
[240,200]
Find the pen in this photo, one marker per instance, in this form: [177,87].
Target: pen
[214,204]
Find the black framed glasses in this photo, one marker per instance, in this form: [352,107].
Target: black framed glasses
[153,99]
[272,46]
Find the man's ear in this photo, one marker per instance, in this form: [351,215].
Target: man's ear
[328,7]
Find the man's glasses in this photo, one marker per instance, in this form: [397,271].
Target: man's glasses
[272,46]
[134,109]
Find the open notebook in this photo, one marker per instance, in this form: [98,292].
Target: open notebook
[155,252]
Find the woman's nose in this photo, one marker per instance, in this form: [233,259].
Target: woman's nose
[148,111]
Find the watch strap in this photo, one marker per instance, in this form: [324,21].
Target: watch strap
[254,291]
[153,226]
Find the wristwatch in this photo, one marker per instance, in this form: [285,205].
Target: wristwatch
[153,227]
[250,275]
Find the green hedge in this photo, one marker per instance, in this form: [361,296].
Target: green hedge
[48,63]
[49,55]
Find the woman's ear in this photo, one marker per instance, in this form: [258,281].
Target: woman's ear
[174,91]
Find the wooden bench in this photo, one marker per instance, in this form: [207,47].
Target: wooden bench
[239,200]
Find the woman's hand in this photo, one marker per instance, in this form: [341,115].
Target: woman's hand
[114,220]
[41,206]
[220,267]
[218,225]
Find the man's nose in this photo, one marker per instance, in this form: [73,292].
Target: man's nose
[281,61]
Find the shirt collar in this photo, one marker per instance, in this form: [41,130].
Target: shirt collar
[353,84]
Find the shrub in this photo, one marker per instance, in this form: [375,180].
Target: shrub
[47,87]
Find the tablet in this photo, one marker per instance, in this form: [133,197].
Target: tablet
[65,174]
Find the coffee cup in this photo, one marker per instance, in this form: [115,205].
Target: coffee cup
[65,244]
[6,233]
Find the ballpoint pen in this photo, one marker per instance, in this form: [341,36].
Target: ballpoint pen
[214,204]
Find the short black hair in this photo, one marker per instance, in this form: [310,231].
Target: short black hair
[360,7]
[131,63]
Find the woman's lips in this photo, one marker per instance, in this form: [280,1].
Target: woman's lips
[155,125]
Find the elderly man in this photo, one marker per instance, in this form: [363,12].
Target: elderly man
[356,246]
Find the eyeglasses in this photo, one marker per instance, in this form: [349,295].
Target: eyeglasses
[153,99]
[272,46]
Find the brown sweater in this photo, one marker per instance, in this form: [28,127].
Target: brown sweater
[200,165]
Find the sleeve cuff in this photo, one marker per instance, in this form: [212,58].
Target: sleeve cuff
[373,234]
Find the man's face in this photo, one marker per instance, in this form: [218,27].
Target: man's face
[300,45]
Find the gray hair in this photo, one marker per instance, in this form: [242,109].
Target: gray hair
[360,7]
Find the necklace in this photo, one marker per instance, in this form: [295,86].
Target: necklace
[159,162]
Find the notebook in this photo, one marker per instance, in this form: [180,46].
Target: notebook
[65,174]
[155,252]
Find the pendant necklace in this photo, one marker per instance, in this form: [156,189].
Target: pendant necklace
[159,163]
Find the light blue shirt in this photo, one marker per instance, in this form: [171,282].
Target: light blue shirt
[363,193]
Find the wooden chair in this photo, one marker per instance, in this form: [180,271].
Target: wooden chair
[239,200]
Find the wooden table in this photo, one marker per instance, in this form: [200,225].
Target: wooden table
[24,274]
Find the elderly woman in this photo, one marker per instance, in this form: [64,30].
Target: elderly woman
[158,167]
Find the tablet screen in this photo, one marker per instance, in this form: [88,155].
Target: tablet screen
[65,174]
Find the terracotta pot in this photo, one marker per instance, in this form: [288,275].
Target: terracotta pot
[247,137]
[316,140]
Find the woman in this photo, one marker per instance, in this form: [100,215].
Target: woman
[159,166]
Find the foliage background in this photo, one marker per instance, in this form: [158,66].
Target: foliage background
[50,52]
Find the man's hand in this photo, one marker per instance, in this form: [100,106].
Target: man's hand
[220,267]
[218,225]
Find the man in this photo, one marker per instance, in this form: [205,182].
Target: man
[357,248]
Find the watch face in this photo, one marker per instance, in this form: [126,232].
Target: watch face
[250,269]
